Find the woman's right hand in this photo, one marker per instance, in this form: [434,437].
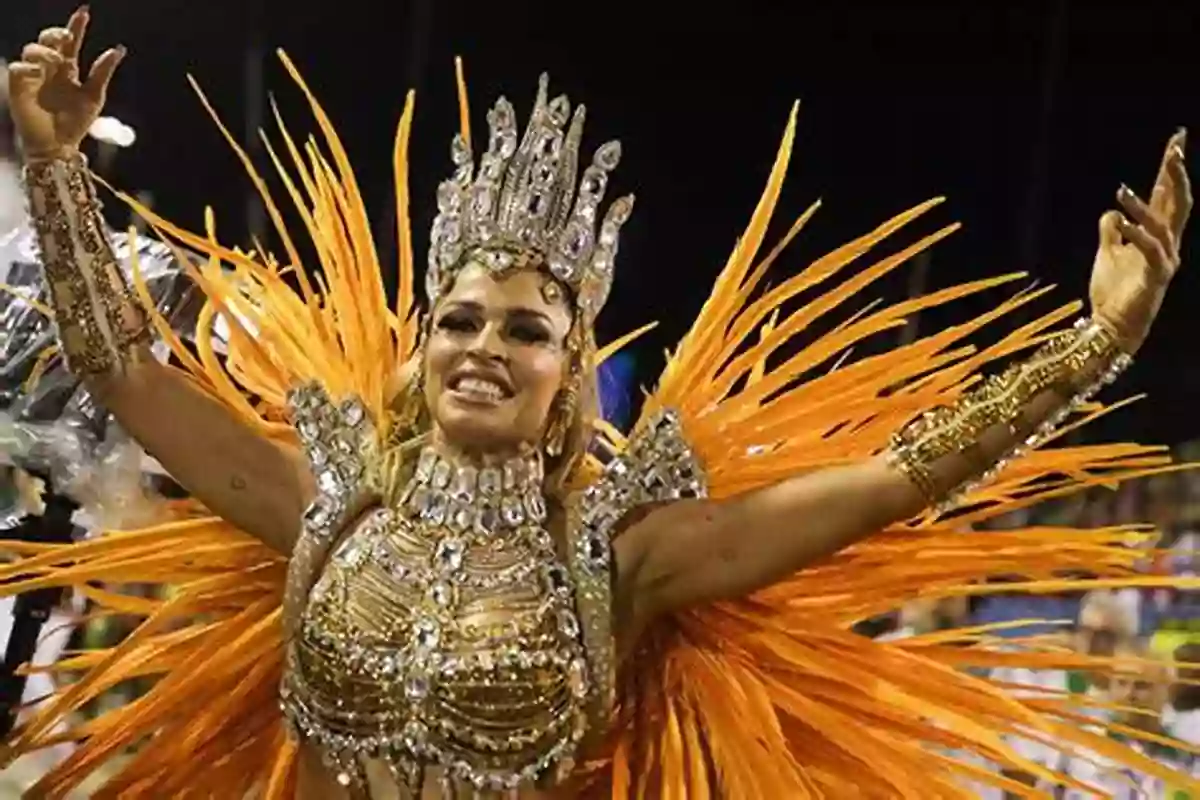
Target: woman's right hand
[51,107]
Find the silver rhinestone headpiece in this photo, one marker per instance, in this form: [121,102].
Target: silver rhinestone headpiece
[523,200]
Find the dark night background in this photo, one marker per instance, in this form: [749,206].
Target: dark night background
[1027,116]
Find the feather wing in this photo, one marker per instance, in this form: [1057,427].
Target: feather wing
[786,700]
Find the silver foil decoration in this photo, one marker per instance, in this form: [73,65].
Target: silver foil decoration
[50,424]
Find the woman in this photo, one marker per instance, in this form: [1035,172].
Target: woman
[463,588]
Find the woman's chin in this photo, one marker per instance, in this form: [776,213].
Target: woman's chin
[475,429]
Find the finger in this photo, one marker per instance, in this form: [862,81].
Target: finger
[1153,222]
[1160,196]
[24,78]
[1148,245]
[44,56]
[77,25]
[1110,229]
[56,39]
[1178,141]
[101,73]
[1181,201]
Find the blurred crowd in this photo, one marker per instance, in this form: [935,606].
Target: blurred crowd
[1168,503]
[1152,633]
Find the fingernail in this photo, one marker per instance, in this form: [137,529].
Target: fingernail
[1124,191]
[122,50]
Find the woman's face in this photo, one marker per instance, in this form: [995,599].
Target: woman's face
[496,359]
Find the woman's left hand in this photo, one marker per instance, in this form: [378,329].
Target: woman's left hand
[1139,250]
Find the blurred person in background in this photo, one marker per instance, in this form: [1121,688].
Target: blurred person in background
[1099,508]
[1184,715]
[55,637]
[1181,716]
[1164,498]
[932,615]
[1139,691]
[1179,610]
[1107,625]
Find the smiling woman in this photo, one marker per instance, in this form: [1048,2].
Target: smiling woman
[463,584]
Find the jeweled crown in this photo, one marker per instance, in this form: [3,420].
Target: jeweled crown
[524,199]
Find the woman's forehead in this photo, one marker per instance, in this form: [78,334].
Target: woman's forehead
[526,288]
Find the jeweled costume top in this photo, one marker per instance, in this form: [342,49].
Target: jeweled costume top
[455,619]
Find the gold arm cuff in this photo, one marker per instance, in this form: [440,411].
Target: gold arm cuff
[101,324]
[1075,363]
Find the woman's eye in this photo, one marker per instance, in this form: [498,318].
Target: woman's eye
[460,323]
[530,333]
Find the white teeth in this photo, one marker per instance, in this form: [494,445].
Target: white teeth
[481,387]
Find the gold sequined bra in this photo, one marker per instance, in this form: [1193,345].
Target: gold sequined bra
[452,631]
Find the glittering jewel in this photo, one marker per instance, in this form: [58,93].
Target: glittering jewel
[338,439]
[471,500]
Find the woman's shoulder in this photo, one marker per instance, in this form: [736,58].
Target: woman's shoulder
[654,464]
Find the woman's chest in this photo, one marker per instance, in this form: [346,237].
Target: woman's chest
[401,599]
[427,645]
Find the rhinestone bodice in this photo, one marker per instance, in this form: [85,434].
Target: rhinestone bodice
[444,632]
[452,631]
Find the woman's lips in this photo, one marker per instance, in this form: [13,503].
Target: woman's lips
[479,390]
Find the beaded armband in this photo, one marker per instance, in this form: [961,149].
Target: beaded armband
[101,325]
[1075,363]
[338,440]
[658,466]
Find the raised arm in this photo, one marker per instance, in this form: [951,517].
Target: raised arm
[258,485]
[699,550]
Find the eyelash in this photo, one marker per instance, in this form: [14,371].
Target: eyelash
[459,323]
[524,332]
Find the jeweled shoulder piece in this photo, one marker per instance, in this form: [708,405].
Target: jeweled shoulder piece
[657,466]
[338,439]
[523,199]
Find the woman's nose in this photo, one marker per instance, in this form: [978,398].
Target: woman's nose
[488,344]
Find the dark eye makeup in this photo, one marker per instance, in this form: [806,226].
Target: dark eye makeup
[459,320]
[528,329]
[521,325]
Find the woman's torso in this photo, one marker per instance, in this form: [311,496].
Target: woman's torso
[435,636]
